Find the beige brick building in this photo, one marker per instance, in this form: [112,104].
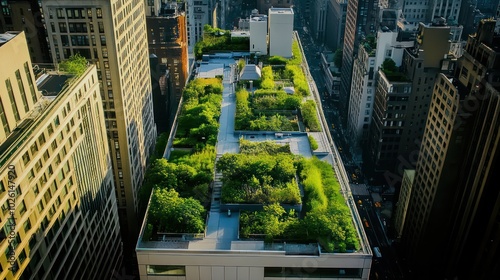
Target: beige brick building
[58,217]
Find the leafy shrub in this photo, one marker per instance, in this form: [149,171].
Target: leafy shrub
[272,221]
[198,123]
[170,213]
[264,147]
[299,79]
[327,218]
[277,60]
[267,79]
[313,143]
[75,64]
[310,115]
[258,179]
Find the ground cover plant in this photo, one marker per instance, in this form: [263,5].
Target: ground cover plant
[198,122]
[258,179]
[326,217]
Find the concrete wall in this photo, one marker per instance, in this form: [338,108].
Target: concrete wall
[280,32]
[258,36]
[242,265]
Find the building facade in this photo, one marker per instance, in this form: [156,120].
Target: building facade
[422,64]
[280,31]
[426,11]
[258,27]
[361,20]
[391,101]
[167,40]
[335,23]
[389,43]
[25,15]
[113,36]
[403,201]
[318,19]
[454,205]
[199,13]
[59,217]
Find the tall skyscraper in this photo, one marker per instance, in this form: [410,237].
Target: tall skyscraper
[430,56]
[59,218]
[167,40]
[113,36]
[318,19]
[335,23]
[451,226]
[25,15]
[388,42]
[361,20]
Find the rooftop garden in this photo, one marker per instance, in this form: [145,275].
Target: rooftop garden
[270,107]
[370,45]
[325,219]
[391,71]
[180,186]
[216,39]
[263,173]
[199,119]
[75,64]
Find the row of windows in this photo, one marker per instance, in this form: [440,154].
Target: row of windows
[12,100]
[76,13]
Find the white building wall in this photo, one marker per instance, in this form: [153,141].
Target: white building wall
[280,31]
[258,35]
[242,265]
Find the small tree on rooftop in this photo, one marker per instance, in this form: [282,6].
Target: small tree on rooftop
[75,64]
[337,58]
[389,66]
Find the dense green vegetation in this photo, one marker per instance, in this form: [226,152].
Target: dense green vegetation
[199,119]
[190,175]
[299,79]
[216,39]
[75,64]
[267,78]
[168,212]
[327,218]
[310,115]
[185,178]
[267,110]
[297,56]
[271,222]
[392,72]
[265,147]
[277,60]
[313,143]
[261,179]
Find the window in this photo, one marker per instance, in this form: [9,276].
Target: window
[30,82]
[171,270]
[3,119]
[98,12]
[21,89]
[12,100]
